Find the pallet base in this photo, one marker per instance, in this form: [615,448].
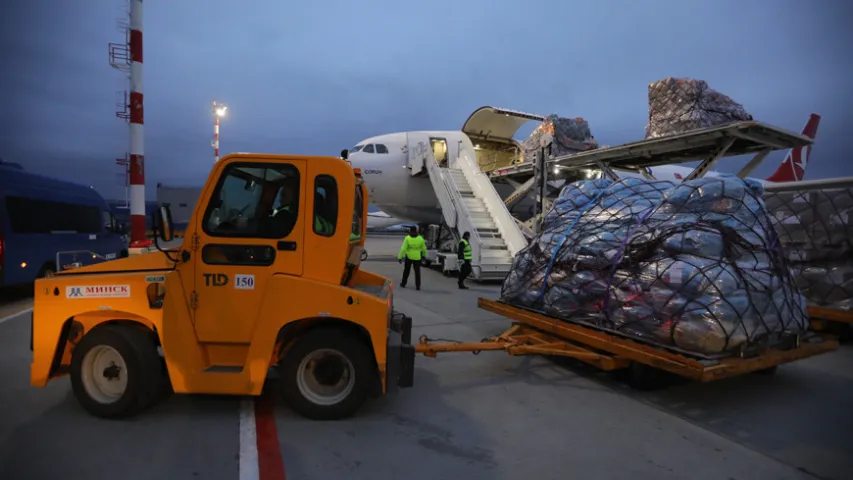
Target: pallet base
[537,334]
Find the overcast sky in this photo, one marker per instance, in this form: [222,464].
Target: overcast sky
[316,77]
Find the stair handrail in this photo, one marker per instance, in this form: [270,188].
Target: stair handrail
[453,208]
[483,188]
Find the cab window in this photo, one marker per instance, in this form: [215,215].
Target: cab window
[325,205]
[381,148]
[358,214]
[368,149]
[252,200]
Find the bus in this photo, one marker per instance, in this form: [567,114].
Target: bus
[47,225]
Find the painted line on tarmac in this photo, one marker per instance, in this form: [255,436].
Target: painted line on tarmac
[248,441]
[9,317]
[260,452]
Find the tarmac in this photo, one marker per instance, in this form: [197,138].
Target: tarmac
[485,416]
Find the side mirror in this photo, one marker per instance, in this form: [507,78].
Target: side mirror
[345,154]
[163,223]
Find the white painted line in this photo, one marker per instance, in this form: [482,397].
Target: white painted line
[248,441]
[9,317]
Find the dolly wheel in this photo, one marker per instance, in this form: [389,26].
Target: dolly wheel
[643,377]
[115,371]
[327,375]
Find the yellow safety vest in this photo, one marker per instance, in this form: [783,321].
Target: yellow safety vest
[466,253]
[323,226]
[413,247]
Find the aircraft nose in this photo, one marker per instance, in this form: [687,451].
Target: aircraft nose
[356,160]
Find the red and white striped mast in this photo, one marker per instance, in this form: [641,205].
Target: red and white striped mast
[218,112]
[137,139]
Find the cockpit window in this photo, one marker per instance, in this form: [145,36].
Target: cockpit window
[381,148]
[356,148]
[368,149]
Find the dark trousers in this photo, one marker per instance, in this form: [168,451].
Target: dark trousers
[406,267]
[464,271]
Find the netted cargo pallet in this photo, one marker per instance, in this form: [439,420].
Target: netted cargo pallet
[815,229]
[678,105]
[689,266]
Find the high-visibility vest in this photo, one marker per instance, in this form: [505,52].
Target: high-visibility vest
[323,226]
[413,247]
[466,253]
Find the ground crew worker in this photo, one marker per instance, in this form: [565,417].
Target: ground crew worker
[282,220]
[321,225]
[414,247]
[463,253]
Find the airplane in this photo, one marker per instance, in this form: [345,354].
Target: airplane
[384,163]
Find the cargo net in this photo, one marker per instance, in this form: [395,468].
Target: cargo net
[678,105]
[816,234]
[565,135]
[695,266]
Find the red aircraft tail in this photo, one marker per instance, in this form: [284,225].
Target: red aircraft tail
[794,167]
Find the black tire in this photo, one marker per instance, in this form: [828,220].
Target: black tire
[842,330]
[348,346]
[643,377]
[143,370]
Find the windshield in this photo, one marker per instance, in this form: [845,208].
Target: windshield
[356,148]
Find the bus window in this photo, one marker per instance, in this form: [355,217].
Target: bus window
[52,216]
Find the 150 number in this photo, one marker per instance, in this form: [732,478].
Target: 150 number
[244,282]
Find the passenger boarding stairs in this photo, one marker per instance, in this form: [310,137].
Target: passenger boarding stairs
[470,203]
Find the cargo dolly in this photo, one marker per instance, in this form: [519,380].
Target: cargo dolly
[833,321]
[534,333]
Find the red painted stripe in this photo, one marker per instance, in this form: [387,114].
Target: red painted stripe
[270,463]
[136,46]
[137,109]
[137,230]
[137,170]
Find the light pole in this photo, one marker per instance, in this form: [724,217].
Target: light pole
[218,112]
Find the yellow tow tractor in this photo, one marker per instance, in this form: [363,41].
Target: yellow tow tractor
[267,276]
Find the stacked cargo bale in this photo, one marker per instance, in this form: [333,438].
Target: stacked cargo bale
[816,232]
[691,266]
[678,105]
[566,136]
